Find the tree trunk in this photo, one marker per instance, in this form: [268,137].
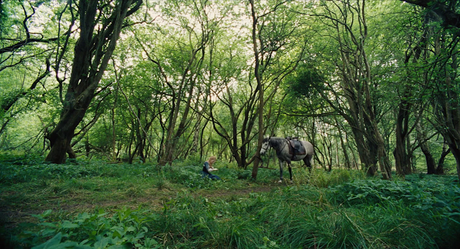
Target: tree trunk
[363,151]
[430,163]
[421,137]
[447,109]
[260,88]
[456,153]
[440,167]
[342,144]
[402,159]
[384,162]
[173,136]
[63,133]
[92,54]
[59,149]
[356,79]
[188,79]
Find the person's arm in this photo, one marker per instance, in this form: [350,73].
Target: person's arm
[206,167]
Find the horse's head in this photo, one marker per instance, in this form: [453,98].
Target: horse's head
[265,146]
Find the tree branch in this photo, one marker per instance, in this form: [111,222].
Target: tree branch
[449,17]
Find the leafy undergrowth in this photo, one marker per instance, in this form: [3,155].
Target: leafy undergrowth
[100,205]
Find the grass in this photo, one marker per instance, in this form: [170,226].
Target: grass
[95,204]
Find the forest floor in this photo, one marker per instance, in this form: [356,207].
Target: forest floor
[36,198]
[156,201]
[68,190]
[18,207]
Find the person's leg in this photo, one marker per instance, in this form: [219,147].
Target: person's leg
[214,177]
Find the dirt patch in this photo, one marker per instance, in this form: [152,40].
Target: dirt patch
[156,199]
[241,192]
[161,197]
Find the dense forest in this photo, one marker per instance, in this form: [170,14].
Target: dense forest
[110,107]
[372,84]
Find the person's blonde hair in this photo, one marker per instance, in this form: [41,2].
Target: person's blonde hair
[213,159]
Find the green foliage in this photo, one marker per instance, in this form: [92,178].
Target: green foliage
[321,178]
[431,201]
[307,81]
[12,173]
[125,228]
[424,194]
[320,209]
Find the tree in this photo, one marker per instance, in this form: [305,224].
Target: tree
[138,109]
[444,9]
[446,93]
[258,63]
[277,50]
[349,24]
[180,66]
[231,102]
[443,65]
[303,112]
[21,48]
[412,80]
[272,30]
[100,26]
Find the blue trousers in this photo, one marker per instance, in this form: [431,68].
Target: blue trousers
[211,176]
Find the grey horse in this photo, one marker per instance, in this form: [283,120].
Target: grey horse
[286,152]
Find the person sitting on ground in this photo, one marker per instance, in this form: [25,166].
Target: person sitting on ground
[208,167]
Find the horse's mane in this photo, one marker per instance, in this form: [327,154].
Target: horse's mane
[276,140]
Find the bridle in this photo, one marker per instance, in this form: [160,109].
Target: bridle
[259,156]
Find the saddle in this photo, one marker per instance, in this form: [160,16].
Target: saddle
[295,147]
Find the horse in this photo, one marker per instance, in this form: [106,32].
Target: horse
[285,151]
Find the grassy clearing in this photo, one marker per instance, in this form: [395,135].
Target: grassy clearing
[99,205]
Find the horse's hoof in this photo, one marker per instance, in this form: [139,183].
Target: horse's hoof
[280,181]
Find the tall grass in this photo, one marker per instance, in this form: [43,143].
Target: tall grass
[338,209]
[291,218]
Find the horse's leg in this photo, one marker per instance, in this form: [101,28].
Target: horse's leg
[290,171]
[307,161]
[281,171]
